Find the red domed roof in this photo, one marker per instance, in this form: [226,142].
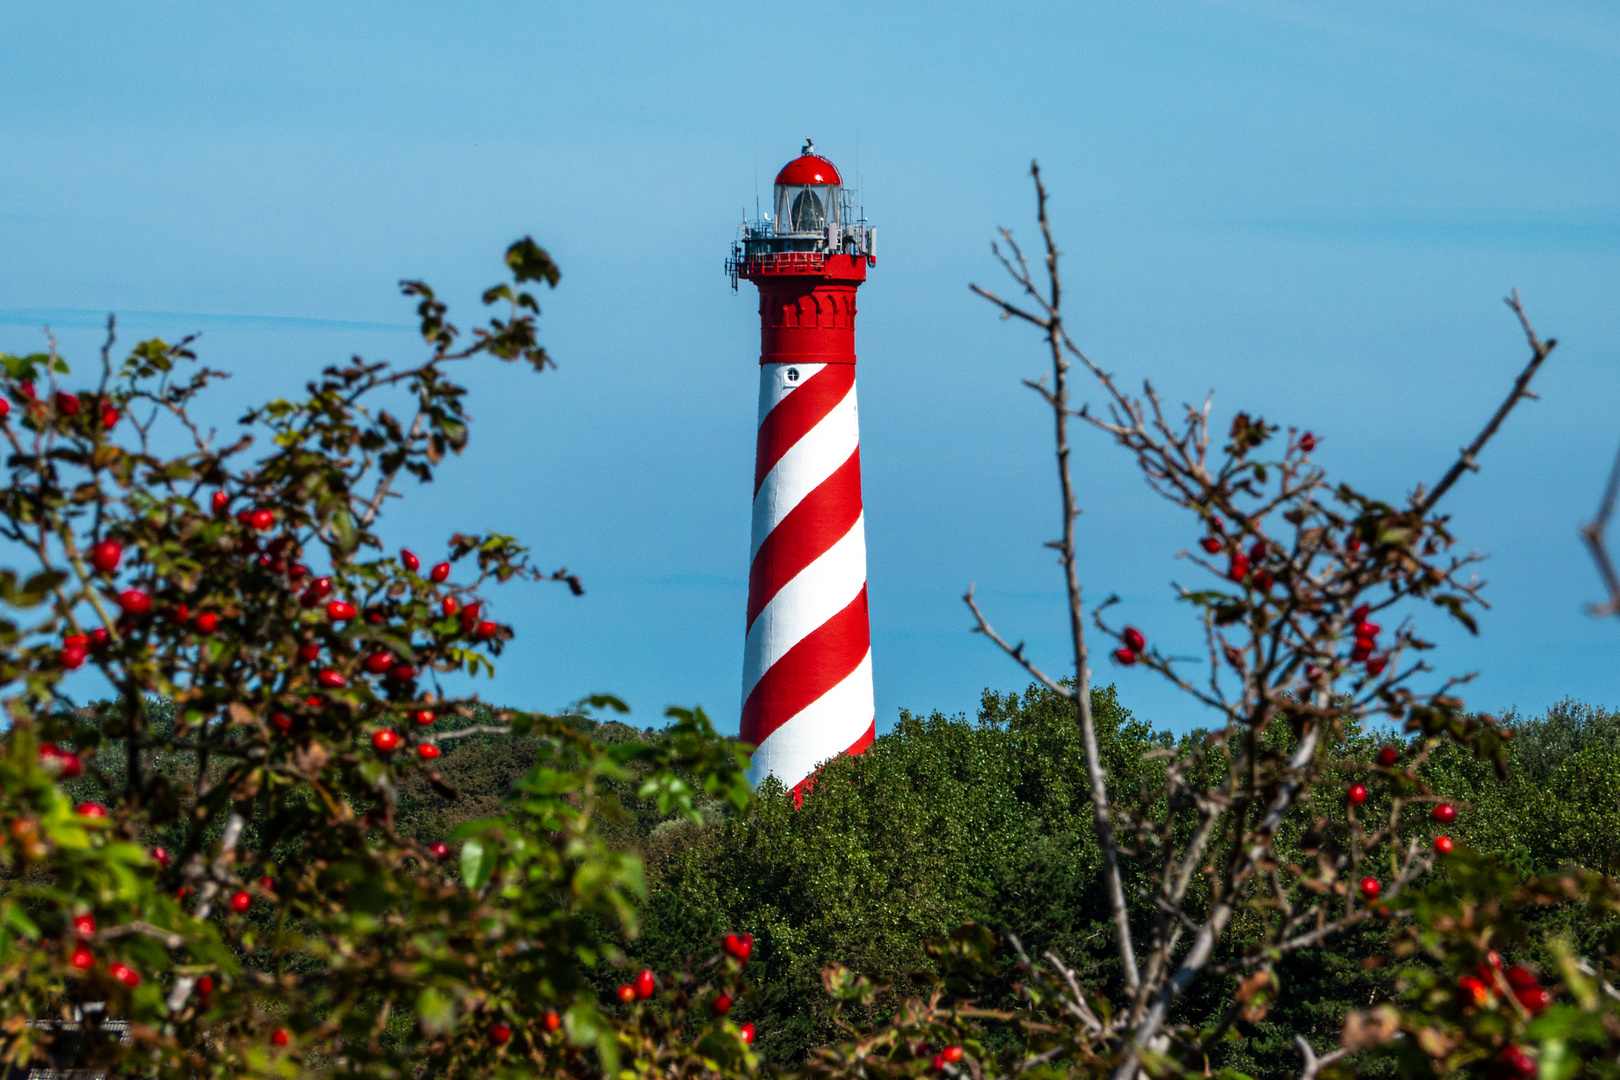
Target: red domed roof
[809,169]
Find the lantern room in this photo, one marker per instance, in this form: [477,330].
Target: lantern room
[808,194]
[813,219]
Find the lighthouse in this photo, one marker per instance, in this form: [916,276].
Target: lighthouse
[807,659]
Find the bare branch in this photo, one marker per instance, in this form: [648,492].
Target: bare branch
[1593,534]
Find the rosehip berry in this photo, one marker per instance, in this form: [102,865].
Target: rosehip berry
[1258,551]
[1238,569]
[722,1003]
[402,673]
[1377,664]
[427,751]
[1520,977]
[82,958]
[1133,637]
[952,1054]
[91,809]
[1312,673]
[439,573]
[740,947]
[1370,888]
[26,389]
[99,638]
[938,1064]
[1357,794]
[240,902]
[386,741]
[645,984]
[67,404]
[134,602]
[500,1034]
[424,717]
[450,606]
[1263,580]
[125,974]
[487,629]
[282,722]
[1362,651]
[1471,993]
[408,559]
[5,408]
[1210,544]
[104,555]
[1516,1062]
[309,652]
[161,855]
[1125,657]
[377,663]
[1307,442]
[1444,813]
[205,986]
[551,1021]
[279,1037]
[1443,845]
[340,611]
[73,657]
[219,501]
[747,1033]
[375,617]
[207,622]
[1534,999]
[626,993]
[262,519]
[297,571]
[1387,756]
[1359,615]
[439,849]
[321,587]
[84,925]
[331,679]
[109,417]
[1368,630]
[267,884]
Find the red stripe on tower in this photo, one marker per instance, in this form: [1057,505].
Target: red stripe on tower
[807,661]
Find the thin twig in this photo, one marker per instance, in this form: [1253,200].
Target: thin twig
[1593,534]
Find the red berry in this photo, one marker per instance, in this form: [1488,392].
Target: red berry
[1239,567]
[551,1021]
[1210,544]
[450,606]
[375,617]
[240,902]
[297,571]
[500,1034]
[1370,888]
[427,751]
[309,652]
[73,657]
[321,587]
[331,679]
[1133,637]
[279,1037]
[5,408]
[1125,657]
[282,722]
[1387,756]
[1263,580]
[1369,630]
[99,638]
[402,673]
[1357,794]
[91,809]
[1521,978]
[740,947]
[1258,551]
[67,404]
[439,849]
[952,1054]
[83,958]
[1516,1062]
[1472,993]
[423,717]
[84,925]
[1443,845]
[379,662]
[340,611]
[938,1064]
[747,1033]
[645,984]
[1444,813]
[207,622]
[205,986]
[268,884]
[1363,649]
[1307,442]
[220,501]
[134,602]
[386,741]
[125,974]
[722,1003]
[1377,664]
[109,417]
[626,993]
[486,629]
[26,389]
[105,554]
[1533,998]
[440,572]
[262,519]
[1359,615]
[408,559]
[162,856]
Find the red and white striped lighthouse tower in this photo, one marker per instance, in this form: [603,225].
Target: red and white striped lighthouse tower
[807,666]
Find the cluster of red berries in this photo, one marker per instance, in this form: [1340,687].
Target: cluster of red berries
[84,927]
[501,1034]
[67,405]
[1241,563]
[1477,991]
[1365,650]
[62,763]
[640,988]
[1133,648]
[948,1056]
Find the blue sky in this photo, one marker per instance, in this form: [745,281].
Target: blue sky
[1312,208]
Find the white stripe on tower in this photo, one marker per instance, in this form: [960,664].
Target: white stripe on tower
[807,669]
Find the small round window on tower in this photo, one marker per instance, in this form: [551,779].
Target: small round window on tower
[792,374]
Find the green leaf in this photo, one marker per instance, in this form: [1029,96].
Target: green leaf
[477,863]
[436,1012]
